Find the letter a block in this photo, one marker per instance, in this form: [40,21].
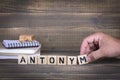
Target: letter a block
[61,60]
[82,59]
[32,59]
[42,59]
[22,59]
[51,60]
[72,60]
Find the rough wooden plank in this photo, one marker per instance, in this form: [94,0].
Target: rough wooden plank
[54,19]
[60,5]
[102,69]
[60,76]
[107,66]
[46,19]
[56,39]
[51,39]
[34,79]
[47,79]
[107,21]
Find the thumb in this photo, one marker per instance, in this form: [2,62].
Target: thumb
[94,56]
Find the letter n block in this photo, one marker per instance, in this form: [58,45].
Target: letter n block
[32,59]
[22,59]
[61,60]
[82,59]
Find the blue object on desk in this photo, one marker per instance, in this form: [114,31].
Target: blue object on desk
[18,44]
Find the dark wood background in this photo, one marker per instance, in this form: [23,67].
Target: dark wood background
[60,26]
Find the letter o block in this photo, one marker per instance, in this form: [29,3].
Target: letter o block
[51,60]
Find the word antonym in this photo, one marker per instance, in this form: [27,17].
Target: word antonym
[52,59]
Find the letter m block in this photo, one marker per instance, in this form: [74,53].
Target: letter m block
[82,59]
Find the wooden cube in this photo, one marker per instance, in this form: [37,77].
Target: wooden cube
[51,60]
[32,59]
[82,59]
[61,60]
[71,60]
[30,37]
[22,38]
[26,38]
[22,59]
[42,60]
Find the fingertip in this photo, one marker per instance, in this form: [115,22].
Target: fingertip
[93,56]
[90,58]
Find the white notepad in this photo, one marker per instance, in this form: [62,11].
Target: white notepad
[13,52]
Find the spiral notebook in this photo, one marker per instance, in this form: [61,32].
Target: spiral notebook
[18,44]
[12,53]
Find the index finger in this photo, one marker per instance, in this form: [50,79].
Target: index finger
[88,43]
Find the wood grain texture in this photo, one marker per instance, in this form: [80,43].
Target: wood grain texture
[60,26]
[55,39]
[107,69]
[51,39]
[91,6]
[61,19]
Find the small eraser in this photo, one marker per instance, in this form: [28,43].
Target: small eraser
[32,59]
[61,60]
[71,60]
[82,59]
[51,60]
[22,59]
[42,59]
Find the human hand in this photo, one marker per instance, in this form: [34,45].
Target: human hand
[100,45]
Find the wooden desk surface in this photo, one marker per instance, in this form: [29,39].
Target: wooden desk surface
[107,69]
[60,25]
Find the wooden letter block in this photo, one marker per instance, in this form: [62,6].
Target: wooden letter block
[42,60]
[23,38]
[61,60]
[51,60]
[30,37]
[22,59]
[72,60]
[32,59]
[82,59]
